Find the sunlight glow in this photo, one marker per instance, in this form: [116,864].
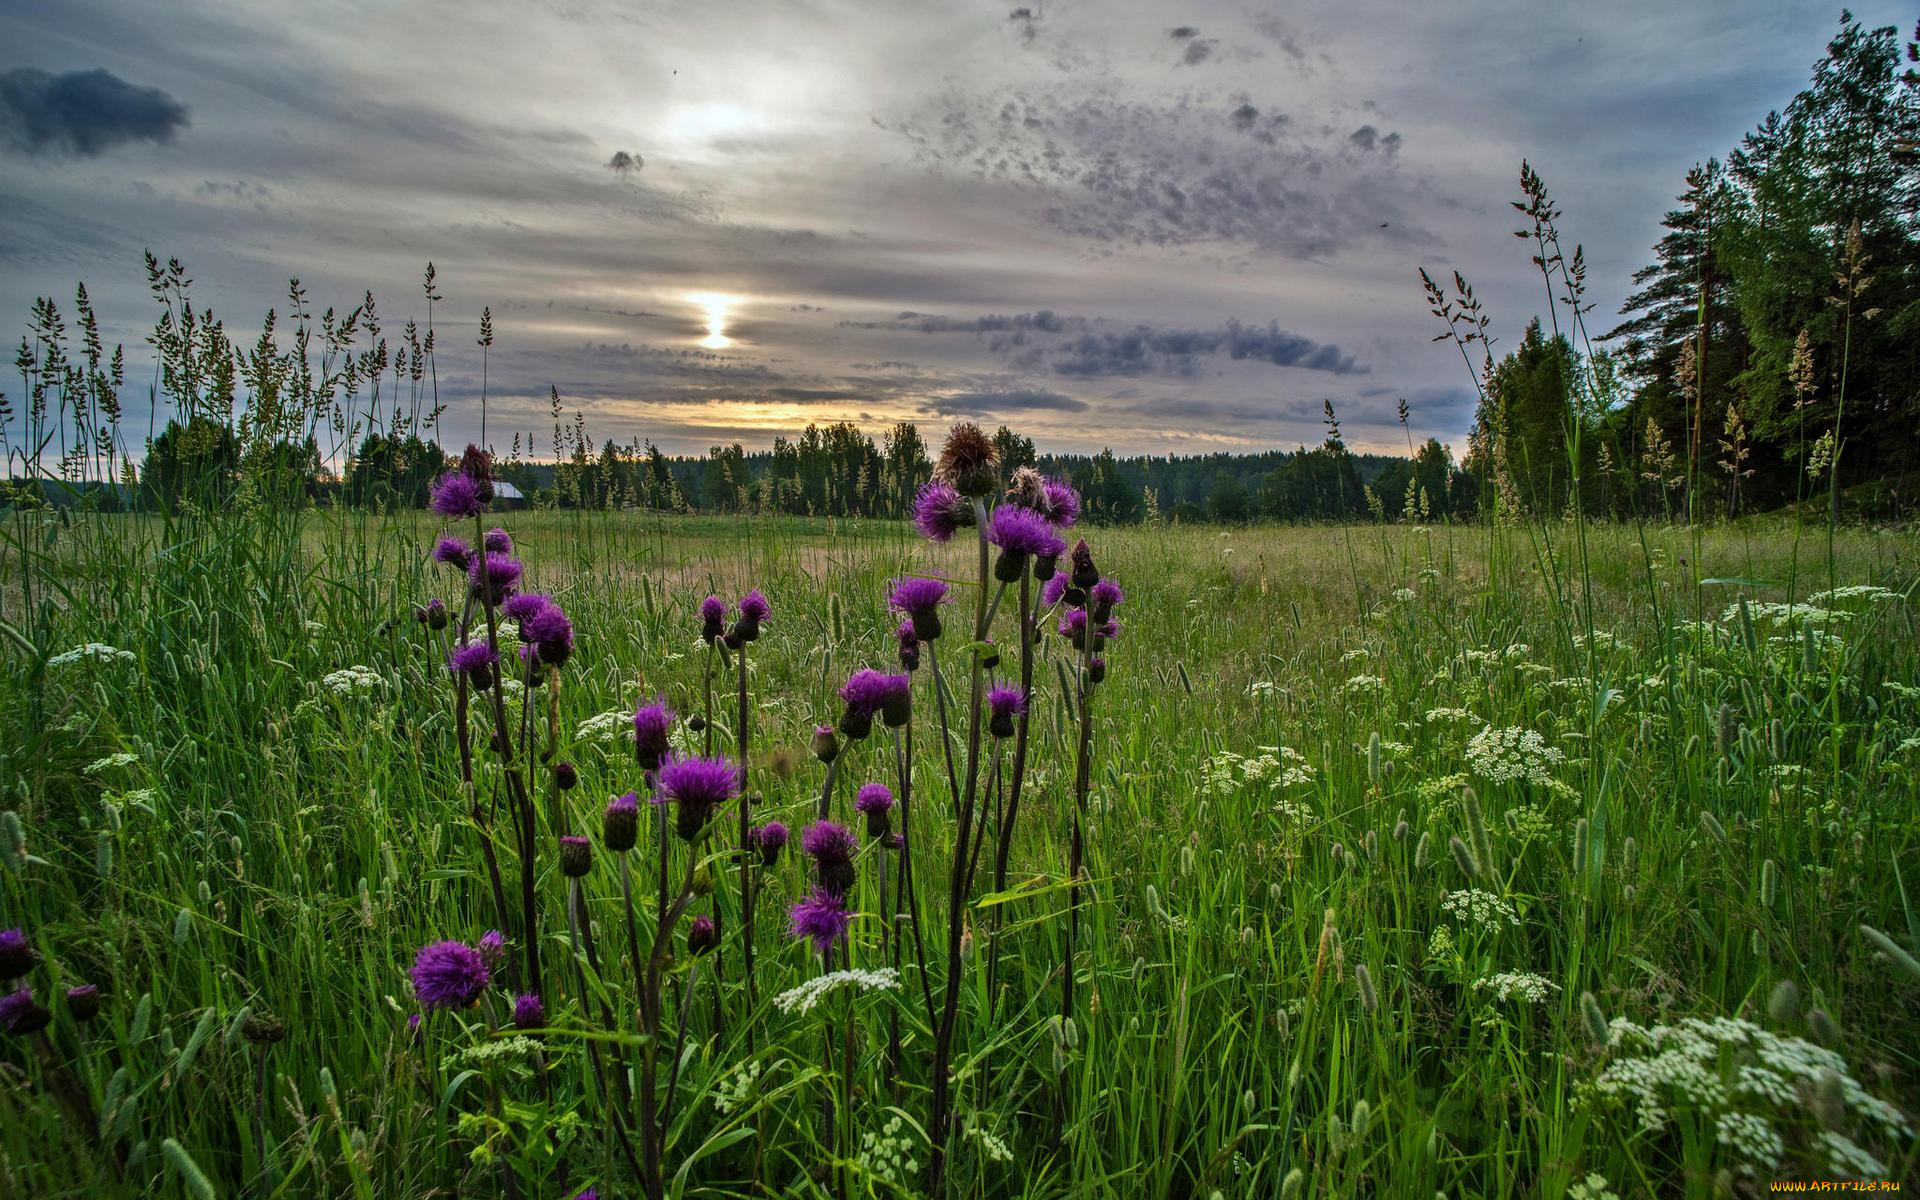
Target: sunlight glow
[717,308]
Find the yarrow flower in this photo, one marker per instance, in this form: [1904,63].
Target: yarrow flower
[453,552]
[939,510]
[831,846]
[475,660]
[1003,705]
[449,975]
[770,839]
[876,801]
[821,917]
[696,787]
[652,734]
[920,600]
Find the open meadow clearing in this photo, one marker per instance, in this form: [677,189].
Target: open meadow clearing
[1416,860]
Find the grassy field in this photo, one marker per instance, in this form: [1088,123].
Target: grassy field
[1372,812]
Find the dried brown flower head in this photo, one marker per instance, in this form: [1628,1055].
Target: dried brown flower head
[969,461]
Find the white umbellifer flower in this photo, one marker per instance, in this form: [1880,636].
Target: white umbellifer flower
[1364,683]
[351,681]
[608,726]
[1403,594]
[1742,1079]
[1602,640]
[1523,985]
[1355,655]
[1593,1187]
[108,763]
[1262,689]
[1483,909]
[1871,593]
[1436,715]
[1276,767]
[993,1148]
[99,652]
[1512,754]
[736,1089]
[1778,613]
[799,1001]
[889,1154]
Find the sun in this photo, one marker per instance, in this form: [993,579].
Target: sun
[718,310]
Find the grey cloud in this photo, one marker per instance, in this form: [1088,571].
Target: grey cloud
[83,113]
[1181,33]
[1198,51]
[1368,139]
[1011,400]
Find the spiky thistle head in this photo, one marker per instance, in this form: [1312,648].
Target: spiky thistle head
[21,1015]
[919,599]
[969,461]
[620,823]
[1004,704]
[770,839]
[821,917]
[652,734]
[713,619]
[939,510]
[453,552]
[493,576]
[696,787]
[449,974]
[475,660]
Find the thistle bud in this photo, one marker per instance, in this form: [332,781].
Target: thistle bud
[84,1002]
[1045,567]
[566,776]
[620,823]
[702,935]
[17,955]
[826,747]
[576,856]
[702,881]
[262,1029]
[1097,670]
[1085,574]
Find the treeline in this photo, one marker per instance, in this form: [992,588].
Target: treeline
[1768,353]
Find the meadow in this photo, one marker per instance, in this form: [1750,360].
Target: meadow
[1492,861]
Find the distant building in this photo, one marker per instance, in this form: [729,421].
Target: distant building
[506,496]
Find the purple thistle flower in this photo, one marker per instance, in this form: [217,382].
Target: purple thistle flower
[502,573]
[896,700]
[497,542]
[17,955]
[939,510]
[522,606]
[493,947]
[920,599]
[864,693]
[453,552]
[552,631]
[1096,670]
[1003,705]
[1018,530]
[822,918]
[873,798]
[754,606]
[702,935]
[1106,593]
[449,975]
[770,839]
[697,786]
[413,1022]
[475,660]
[457,494]
[1073,627]
[713,619]
[620,823]
[84,1001]
[1052,591]
[528,1011]
[586,1193]
[652,725]
[576,856]
[1059,503]
[20,1016]
[909,639]
[434,614]
[832,847]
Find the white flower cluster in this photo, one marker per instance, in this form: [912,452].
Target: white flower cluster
[99,652]
[1779,613]
[351,681]
[1602,640]
[1357,654]
[736,1089]
[1593,1187]
[1482,909]
[1743,1079]
[1522,985]
[108,763]
[609,726]
[1363,683]
[888,1155]
[1512,754]
[1275,767]
[1871,593]
[992,1148]
[1403,594]
[1437,715]
[800,1000]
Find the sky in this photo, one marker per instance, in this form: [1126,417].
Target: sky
[1161,228]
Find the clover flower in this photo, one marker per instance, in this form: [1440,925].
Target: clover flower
[939,511]
[821,918]
[696,787]
[919,600]
[449,974]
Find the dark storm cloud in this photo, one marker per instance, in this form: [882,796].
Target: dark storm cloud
[83,113]
[1179,171]
[1011,400]
[1043,321]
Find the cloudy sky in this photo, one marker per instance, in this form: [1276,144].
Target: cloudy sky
[1165,228]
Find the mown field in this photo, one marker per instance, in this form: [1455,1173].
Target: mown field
[1372,811]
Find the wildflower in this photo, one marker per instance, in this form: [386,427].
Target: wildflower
[1003,705]
[1096,670]
[969,461]
[1073,627]
[1483,909]
[770,839]
[652,730]
[475,660]
[1522,985]
[1085,574]
[825,746]
[831,847]
[457,494]
[349,681]
[753,610]
[864,693]
[909,639]
[97,651]
[896,700]
[522,606]
[453,552]
[496,541]
[876,801]
[920,600]
[1102,599]
[1510,755]
[702,935]
[551,634]
[822,918]
[939,511]
[566,776]
[1053,590]
[493,947]
[84,1001]
[697,786]
[1020,533]
[801,1000]
[21,1016]
[620,823]
[1059,503]
[449,975]
[528,1011]
[576,856]
[434,615]
[713,619]
[493,577]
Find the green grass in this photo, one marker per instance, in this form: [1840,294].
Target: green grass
[211,834]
